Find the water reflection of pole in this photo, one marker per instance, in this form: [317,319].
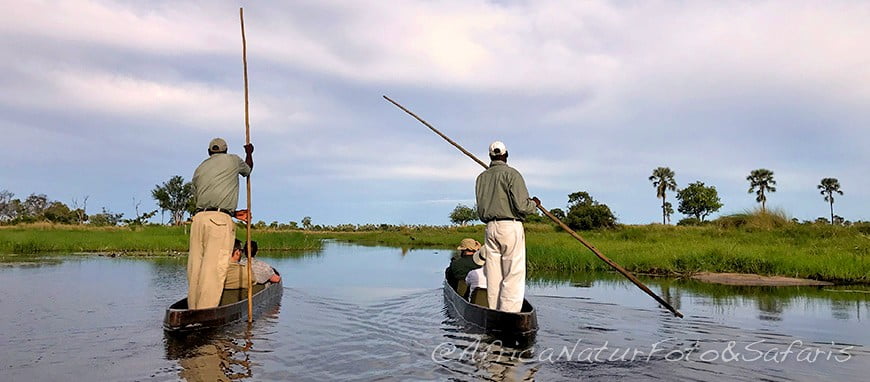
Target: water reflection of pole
[245,363]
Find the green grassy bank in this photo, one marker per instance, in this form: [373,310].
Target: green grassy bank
[45,238]
[838,254]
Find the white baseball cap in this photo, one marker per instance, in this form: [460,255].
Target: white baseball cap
[497,148]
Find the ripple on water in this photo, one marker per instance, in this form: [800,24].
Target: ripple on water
[681,343]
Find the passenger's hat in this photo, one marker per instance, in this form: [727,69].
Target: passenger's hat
[217,145]
[479,257]
[497,148]
[469,244]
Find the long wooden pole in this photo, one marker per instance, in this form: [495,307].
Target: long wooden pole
[247,142]
[571,232]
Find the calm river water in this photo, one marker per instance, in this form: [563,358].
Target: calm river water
[375,313]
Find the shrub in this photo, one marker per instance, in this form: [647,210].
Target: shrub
[689,221]
[755,219]
[463,214]
[585,213]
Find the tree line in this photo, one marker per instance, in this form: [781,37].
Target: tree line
[582,212]
[174,196]
[698,201]
[39,208]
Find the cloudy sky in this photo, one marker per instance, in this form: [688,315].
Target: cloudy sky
[108,98]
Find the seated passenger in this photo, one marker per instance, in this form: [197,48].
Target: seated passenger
[262,272]
[464,263]
[476,278]
[237,275]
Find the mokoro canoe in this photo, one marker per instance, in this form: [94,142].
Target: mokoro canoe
[179,319]
[513,329]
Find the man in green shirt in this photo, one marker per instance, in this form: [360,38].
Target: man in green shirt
[464,263]
[216,191]
[503,203]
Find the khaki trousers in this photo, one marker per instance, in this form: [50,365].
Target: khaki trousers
[505,265]
[211,242]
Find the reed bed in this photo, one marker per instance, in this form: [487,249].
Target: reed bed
[821,252]
[838,254]
[44,238]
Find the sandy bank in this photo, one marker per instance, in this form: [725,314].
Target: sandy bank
[754,280]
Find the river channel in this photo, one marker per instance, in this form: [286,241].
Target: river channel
[377,313]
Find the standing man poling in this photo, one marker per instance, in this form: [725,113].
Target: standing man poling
[216,189]
[503,203]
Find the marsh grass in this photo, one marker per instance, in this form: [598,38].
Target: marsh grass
[428,237]
[755,219]
[46,238]
[821,252]
[766,245]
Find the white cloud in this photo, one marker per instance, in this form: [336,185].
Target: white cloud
[678,56]
[608,55]
[171,27]
[591,95]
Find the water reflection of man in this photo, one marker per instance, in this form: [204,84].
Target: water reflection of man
[216,361]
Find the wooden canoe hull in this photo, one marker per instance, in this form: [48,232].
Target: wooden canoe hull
[513,329]
[179,319]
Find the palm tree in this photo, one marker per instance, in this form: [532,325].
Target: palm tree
[829,186]
[669,210]
[662,179]
[762,180]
